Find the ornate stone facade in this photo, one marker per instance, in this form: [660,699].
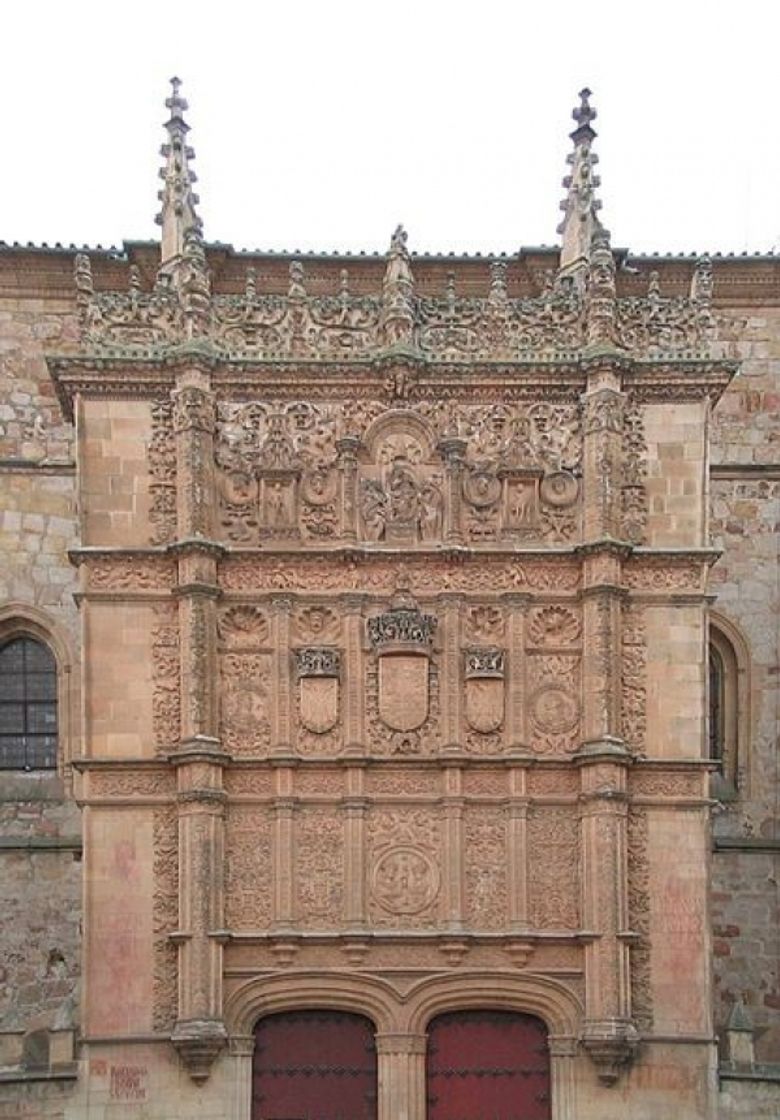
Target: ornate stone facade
[392,660]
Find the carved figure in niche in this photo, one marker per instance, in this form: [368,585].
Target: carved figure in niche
[405,880]
[373,509]
[431,507]
[521,504]
[404,509]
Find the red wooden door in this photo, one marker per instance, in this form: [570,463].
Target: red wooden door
[488,1065]
[314,1065]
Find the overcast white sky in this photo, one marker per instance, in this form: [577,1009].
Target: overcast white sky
[321,125]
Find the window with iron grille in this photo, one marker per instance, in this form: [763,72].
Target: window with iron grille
[28,705]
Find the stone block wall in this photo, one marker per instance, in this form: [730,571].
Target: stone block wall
[745,522]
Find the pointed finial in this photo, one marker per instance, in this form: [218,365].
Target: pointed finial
[583,115]
[177,214]
[398,292]
[580,207]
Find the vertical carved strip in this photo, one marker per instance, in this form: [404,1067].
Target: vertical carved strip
[602,456]
[354,698]
[281,698]
[517,853]
[453,847]
[194,420]
[198,667]
[453,450]
[284,850]
[601,664]
[347,448]
[355,854]
[452,689]
[516,686]
[609,1036]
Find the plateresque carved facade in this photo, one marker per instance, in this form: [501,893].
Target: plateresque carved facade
[382,673]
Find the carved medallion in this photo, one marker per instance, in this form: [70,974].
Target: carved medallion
[484,678]
[405,880]
[318,670]
[553,709]
[559,489]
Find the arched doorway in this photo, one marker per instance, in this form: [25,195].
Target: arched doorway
[314,1065]
[488,1064]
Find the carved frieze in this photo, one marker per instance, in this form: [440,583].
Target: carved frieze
[471,574]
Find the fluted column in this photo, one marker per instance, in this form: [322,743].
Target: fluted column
[453,450]
[347,448]
[401,1076]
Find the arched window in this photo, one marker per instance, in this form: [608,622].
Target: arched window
[728,702]
[28,705]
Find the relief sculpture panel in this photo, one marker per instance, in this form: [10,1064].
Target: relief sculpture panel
[404,868]
[298,472]
[245,678]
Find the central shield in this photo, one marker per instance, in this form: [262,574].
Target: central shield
[403,690]
[485,703]
[319,700]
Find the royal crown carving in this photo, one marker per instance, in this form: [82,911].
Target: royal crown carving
[403,626]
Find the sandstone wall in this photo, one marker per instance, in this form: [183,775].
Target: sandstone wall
[745,505]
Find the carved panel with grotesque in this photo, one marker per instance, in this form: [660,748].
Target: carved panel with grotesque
[248,868]
[554,847]
[554,703]
[485,868]
[319,868]
[245,693]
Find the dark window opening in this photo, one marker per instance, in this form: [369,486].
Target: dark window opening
[28,706]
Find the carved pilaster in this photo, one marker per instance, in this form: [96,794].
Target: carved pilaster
[516,685]
[517,850]
[453,451]
[603,407]
[609,1035]
[354,687]
[401,1075]
[199,1034]
[283,849]
[354,850]
[453,803]
[347,448]
[281,701]
[193,423]
[451,684]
